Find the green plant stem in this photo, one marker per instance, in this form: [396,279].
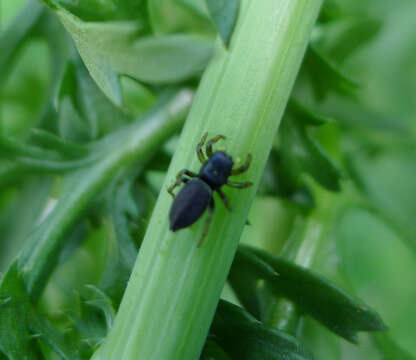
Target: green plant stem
[174,288]
[133,144]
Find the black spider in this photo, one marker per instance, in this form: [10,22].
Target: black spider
[197,194]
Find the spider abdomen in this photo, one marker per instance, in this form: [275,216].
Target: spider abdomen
[189,204]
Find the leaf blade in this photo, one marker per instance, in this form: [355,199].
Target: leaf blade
[245,338]
[323,300]
[224,14]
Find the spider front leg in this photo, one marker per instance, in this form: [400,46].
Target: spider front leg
[242,168]
[239,185]
[208,148]
[180,179]
[207,221]
[199,151]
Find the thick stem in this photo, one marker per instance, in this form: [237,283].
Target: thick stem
[175,286]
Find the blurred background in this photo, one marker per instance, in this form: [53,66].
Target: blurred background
[376,245]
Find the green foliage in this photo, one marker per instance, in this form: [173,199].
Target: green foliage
[112,48]
[243,337]
[224,15]
[212,351]
[13,37]
[21,325]
[389,348]
[300,153]
[93,95]
[314,295]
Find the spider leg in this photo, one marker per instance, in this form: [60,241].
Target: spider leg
[208,147]
[224,199]
[239,185]
[180,178]
[207,221]
[243,167]
[199,151]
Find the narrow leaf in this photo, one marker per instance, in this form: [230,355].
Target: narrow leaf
[305,115]
[64,147]
[10,147]
[389,349]
[245,338]
[85,113]
[123,251]
[15,339]
[13,37]
[326,75]
[279,180]
[163,59]
[93,41]
[134,143]
[316,296]
[71,125]
[52,166]
[300,153]
[112,48]
[246,283]
[212,351]
[19,321]
[89,324]
[102,302]
[388,189]
[340,39]
[353,113]
[224,14]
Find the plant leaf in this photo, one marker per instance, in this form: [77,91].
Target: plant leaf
[112,48]
[85,113]
[50,140]
[89,324]
[326,75]
[377,177]
[246,283]
[199,7]
[12,38]
[305,115]
[327,303]
[224,14]
[22,214]
[325,344]
[164,59]
[342,38]
[245,338]
[352,113]
[390,349]
[279,181]
[119,149]
[106,10]
[330,11]
[94,41]
[15,341]
[102,302]
[19,320]
[131,206]
[300,153]
[38,159]
[212,351]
